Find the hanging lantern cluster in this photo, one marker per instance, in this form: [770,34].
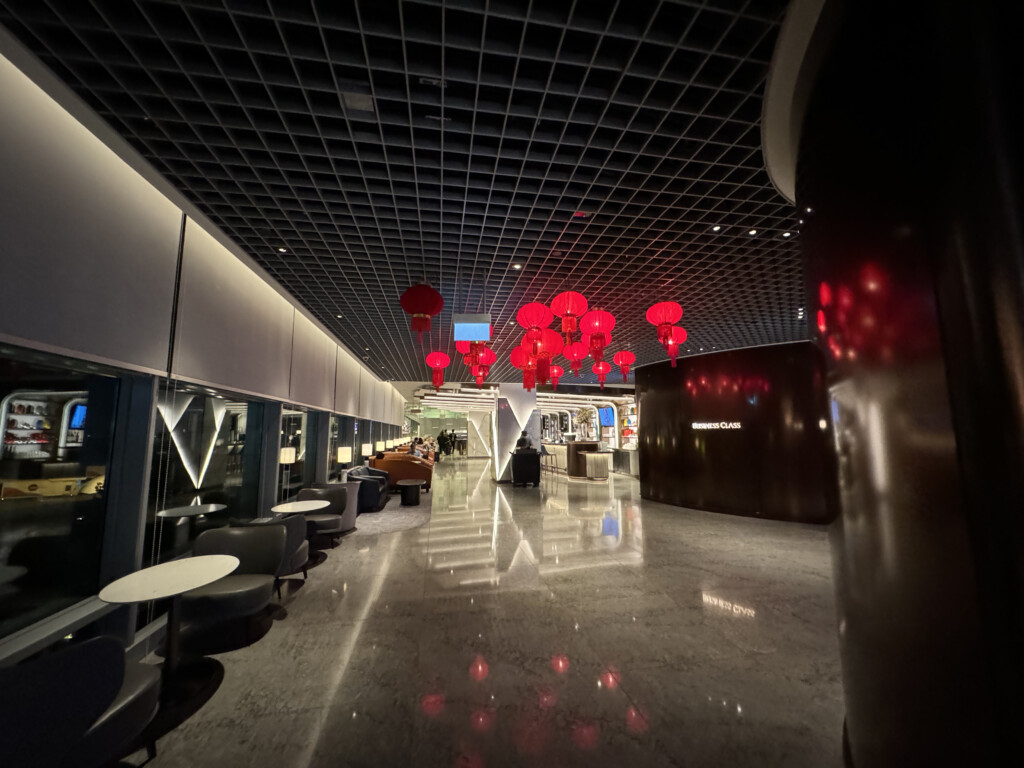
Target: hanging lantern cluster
[478,357]
[422,302]
[664,315]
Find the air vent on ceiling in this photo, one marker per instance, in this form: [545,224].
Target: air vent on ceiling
[358,102]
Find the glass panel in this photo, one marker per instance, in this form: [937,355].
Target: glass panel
[57,425]
[200,456]
[293,454]
[343,452]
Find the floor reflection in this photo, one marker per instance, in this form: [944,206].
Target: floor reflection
[482,533]
[570,625]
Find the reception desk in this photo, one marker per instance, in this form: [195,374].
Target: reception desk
[576,461]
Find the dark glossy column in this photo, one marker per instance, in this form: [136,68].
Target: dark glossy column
[910,165]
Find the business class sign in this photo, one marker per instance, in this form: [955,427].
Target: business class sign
[716,425]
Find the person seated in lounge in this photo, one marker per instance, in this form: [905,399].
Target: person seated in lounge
[380,455]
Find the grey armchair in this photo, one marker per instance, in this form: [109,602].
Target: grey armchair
[341,502]
[260,550]
[296,548]
[82,706]
[329,522]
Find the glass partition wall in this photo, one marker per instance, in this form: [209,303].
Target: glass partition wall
[200,457]
[57,419]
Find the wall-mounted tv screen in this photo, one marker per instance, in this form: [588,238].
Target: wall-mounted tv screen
[77,417]
[607,416]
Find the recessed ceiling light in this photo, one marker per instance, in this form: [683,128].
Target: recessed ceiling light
[808,209]
[366,349]
[517,266]
[282,250]
[752,232]
[338,316]
[715,228]
[786,234]
[801,221]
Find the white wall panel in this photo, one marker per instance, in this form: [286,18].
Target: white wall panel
[346,386]
[379,412]
[397,407]
[88,247]
[367,391]
[234,330]
[314,360]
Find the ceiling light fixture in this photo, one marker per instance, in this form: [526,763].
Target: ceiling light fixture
[282,250]
[752,232]
[517,266]
[786,234]
[715,228]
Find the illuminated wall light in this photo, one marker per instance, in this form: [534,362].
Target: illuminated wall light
[287,455]
[367,449]
[344,454]
[381,445]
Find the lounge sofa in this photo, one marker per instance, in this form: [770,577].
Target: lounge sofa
[405,467]
[373,488]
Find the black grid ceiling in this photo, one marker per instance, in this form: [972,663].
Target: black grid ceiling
[382,142]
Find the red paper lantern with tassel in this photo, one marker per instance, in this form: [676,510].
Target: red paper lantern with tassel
[438,361]
[598,325]
[534,317]
[524,362]
[664,315]
[676,340]
[575,353]
[485,359]
[624,359]
[570,306]
[602,369]
[465,348]
[422,302]
[556,373]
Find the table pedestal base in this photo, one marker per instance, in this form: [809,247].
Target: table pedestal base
[193,684]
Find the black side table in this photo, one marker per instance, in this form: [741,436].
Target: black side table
[410,491]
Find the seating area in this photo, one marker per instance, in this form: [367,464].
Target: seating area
[404,466]
[221,599]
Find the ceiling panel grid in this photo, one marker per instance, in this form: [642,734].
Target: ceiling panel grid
[355,148]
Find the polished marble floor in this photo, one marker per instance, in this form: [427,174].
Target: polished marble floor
[571,625]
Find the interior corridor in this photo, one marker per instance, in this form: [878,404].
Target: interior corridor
[574,624]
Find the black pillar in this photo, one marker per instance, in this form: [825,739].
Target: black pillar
[909,180]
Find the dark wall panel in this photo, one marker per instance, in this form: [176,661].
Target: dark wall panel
[745,432]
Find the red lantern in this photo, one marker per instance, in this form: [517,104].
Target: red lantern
[534,317]
[664,314]
[602,369]
[438,361]
[624,359]
[589,343]
[556,373]
[598,324]
[575,353]
[485,359]
[422,302]
[465,348]
[547,347]
[675,340]
[527,365]
[570,306]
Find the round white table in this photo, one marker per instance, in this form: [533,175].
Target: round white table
[169,580]
[183,689]
[191,512]
[300,507]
